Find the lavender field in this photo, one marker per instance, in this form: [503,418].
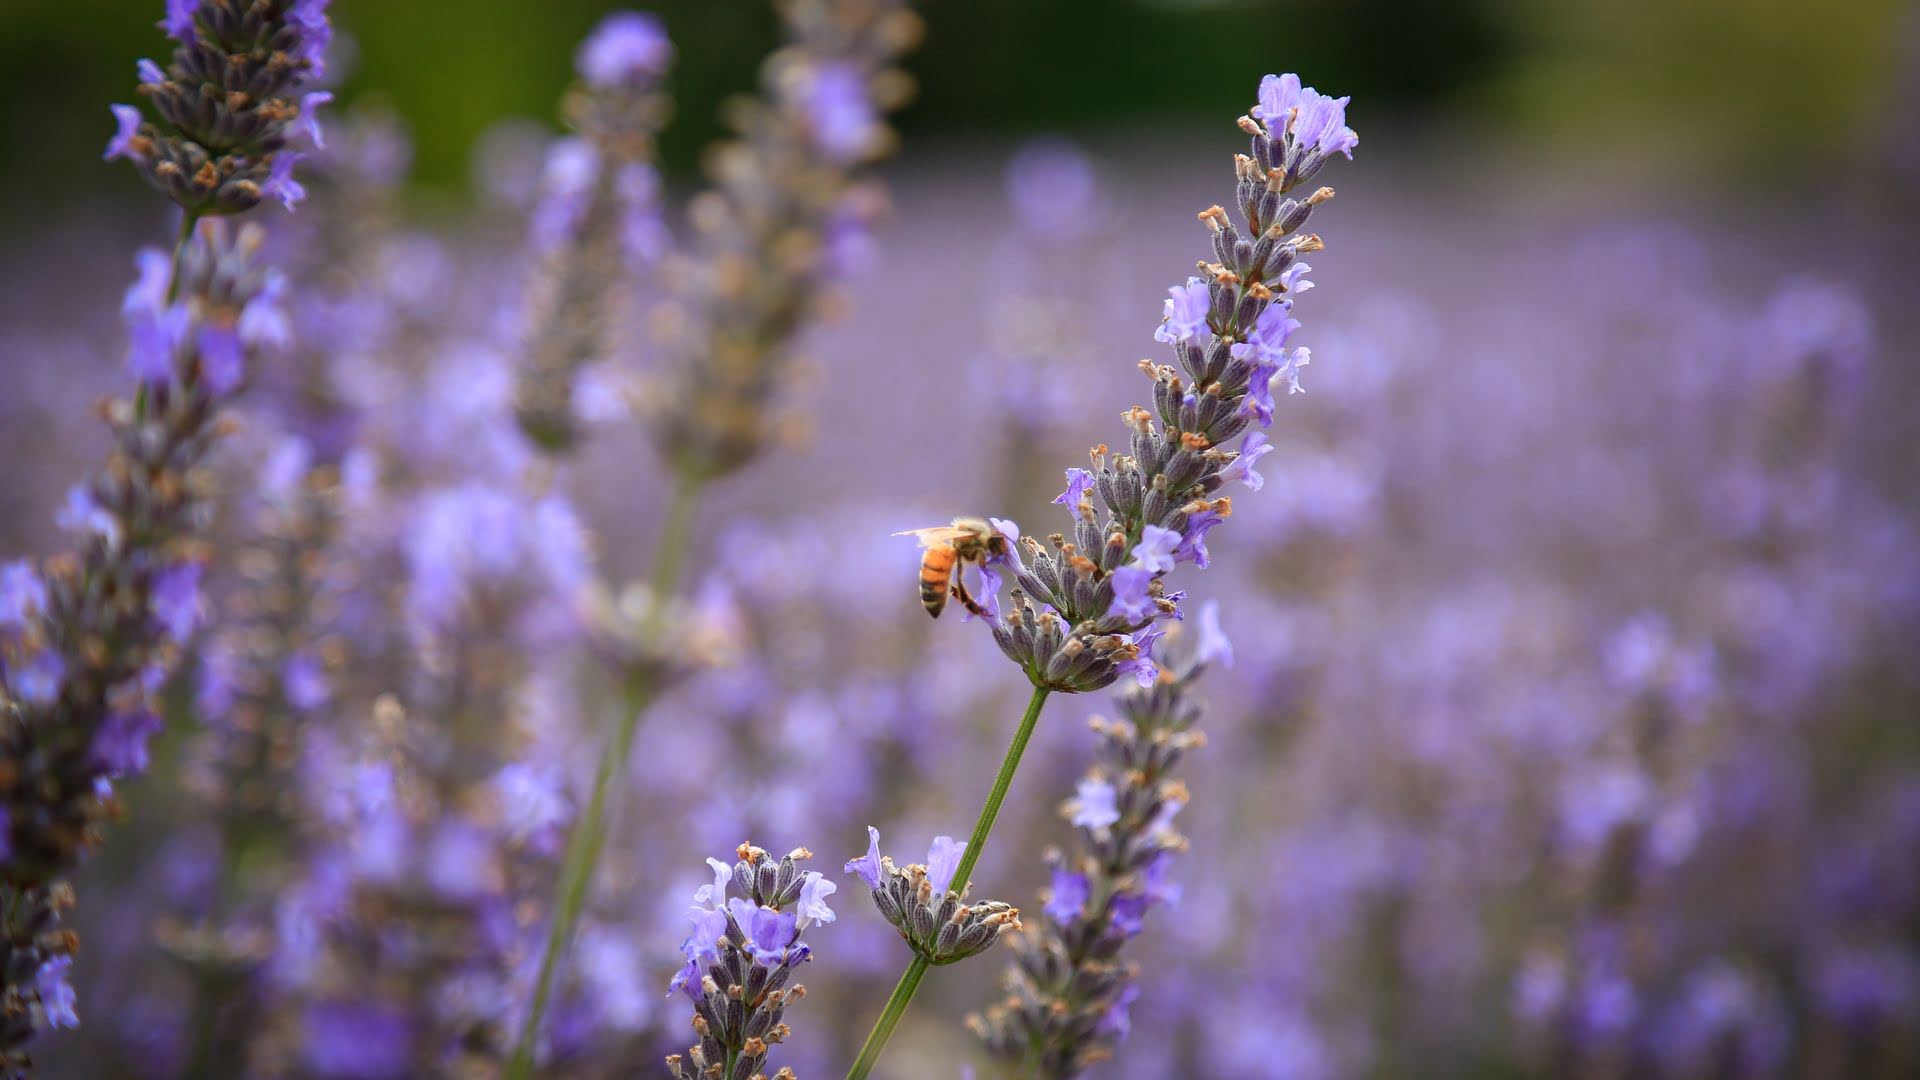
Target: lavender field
[474,636]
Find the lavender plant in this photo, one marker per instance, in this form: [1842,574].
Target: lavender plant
[741,956]
[89,637]
[1069,989]
[1100,589]
[773,237]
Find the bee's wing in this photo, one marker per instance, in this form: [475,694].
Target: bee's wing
[935,536]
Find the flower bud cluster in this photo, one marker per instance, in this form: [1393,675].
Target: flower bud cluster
[741,955]
[231,103]
[1088,598]
[921,902]
[784,220]
[598,221]
[1068,988]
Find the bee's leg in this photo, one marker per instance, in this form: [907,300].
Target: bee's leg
[961,594]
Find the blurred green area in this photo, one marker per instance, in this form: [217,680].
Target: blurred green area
[1732,85]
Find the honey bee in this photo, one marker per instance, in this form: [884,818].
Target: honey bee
[948,549]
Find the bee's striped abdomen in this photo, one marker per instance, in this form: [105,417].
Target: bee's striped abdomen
[936,570]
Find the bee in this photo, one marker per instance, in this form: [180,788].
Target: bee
[948,549]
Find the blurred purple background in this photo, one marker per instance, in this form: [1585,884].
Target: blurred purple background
[1572,729]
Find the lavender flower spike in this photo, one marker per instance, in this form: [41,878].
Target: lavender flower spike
[1090,600]
[741,953]
[230,105]
[598,222]
[785,207]
[1067,988]
[1085,607]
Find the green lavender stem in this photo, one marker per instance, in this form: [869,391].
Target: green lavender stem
[909,983]
[589,834]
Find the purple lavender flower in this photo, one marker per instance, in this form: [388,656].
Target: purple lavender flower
[38,680]
[280,184]
[869,866]
[357,1040]
[1185,317]
[178,22]
[626,47]
[1193,536]
[304,681]
[1308,116]
[57,999]
[22,596]
[120,747]
[770,933]
[315,33]
[126,121]
[1252,448]
[1155,551]
[1093,804]
[1079,481]
[1213,646]
[841,112]
[1321,123]
[1131,598]
[307,127]
[1067,896]
[1277,97]
[813,899]
[1055,190]
[176,600]
[155,329]
[943,859]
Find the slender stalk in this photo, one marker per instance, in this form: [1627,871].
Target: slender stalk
[909,983]
[589,834]
[903,993]
[188,219]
